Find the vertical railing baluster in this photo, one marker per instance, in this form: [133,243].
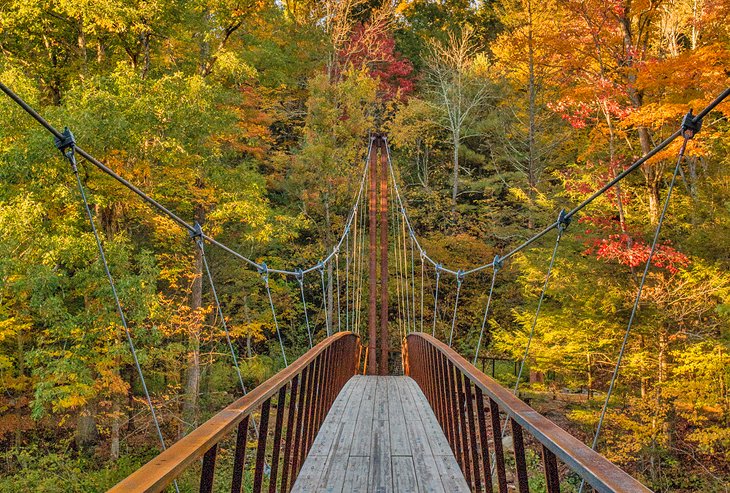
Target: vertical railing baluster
[208,473]
[550,464]
[239,457]
[280,404]
[464,435]
[299,427]
[484,440]
[498,450]
[291,415]
[469,396]
[258,478]
[520,463]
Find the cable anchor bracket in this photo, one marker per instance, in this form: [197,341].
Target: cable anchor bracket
[690,125]
[67,145]
[563,221]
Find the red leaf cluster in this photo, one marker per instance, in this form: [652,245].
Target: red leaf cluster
[634,252]
[374,49]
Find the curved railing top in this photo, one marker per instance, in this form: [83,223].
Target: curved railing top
[163,469]
[597,471]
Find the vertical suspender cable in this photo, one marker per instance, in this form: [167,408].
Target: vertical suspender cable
[324,299]
[459,281]
[423,269]
[265,275]
[436,299]
[300,280]
[497,265]
[337,276]
[562,224]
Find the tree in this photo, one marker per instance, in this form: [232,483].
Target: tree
[459,89]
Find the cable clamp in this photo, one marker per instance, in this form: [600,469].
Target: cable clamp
[320,266]
[264,271]
[690,125]
[438,270]
[197,232]
[460,274]
[66,140]
[67,145]
[299,275]
[563,220]
[497,262]
[423,254]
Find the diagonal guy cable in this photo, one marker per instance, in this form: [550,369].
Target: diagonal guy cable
[67,145]
[497,263]
[689,128]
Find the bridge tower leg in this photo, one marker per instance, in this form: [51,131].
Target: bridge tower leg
[373,250]
[384,342]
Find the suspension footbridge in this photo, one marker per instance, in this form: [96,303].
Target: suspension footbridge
[354,413]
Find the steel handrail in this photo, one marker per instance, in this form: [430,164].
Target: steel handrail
[598,471]
[168,465]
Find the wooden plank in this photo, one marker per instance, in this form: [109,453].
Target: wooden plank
[362,440]
[334,475]
[327,432]
[399,444]
[381,475]
[436,437]
[451,476]
[404,475]
[310,474]
[356,475]
[423,460]
[381,478]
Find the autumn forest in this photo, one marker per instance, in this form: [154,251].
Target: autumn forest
[252,118]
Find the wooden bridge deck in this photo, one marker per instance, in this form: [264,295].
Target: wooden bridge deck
[380,436]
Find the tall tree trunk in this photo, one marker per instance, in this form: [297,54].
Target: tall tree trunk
[87,433]
[455,186]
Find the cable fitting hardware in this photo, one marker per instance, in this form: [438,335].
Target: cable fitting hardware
[66,140]
[423,254]
[497,262]
[438,270]
[690,125]
[563,220]
[67,145]
[460,275]
[197,232]
[299,275]
[320,266]
[264,271]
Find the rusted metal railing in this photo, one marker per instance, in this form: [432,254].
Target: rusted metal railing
[301,396]
[471,408]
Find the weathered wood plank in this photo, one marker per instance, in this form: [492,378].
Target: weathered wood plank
[426,472]
[362,440]
[451,476]
[334,475]
[356,475]
[436,437]
[399,444]
[404,475]
[309,475]
[331,425]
